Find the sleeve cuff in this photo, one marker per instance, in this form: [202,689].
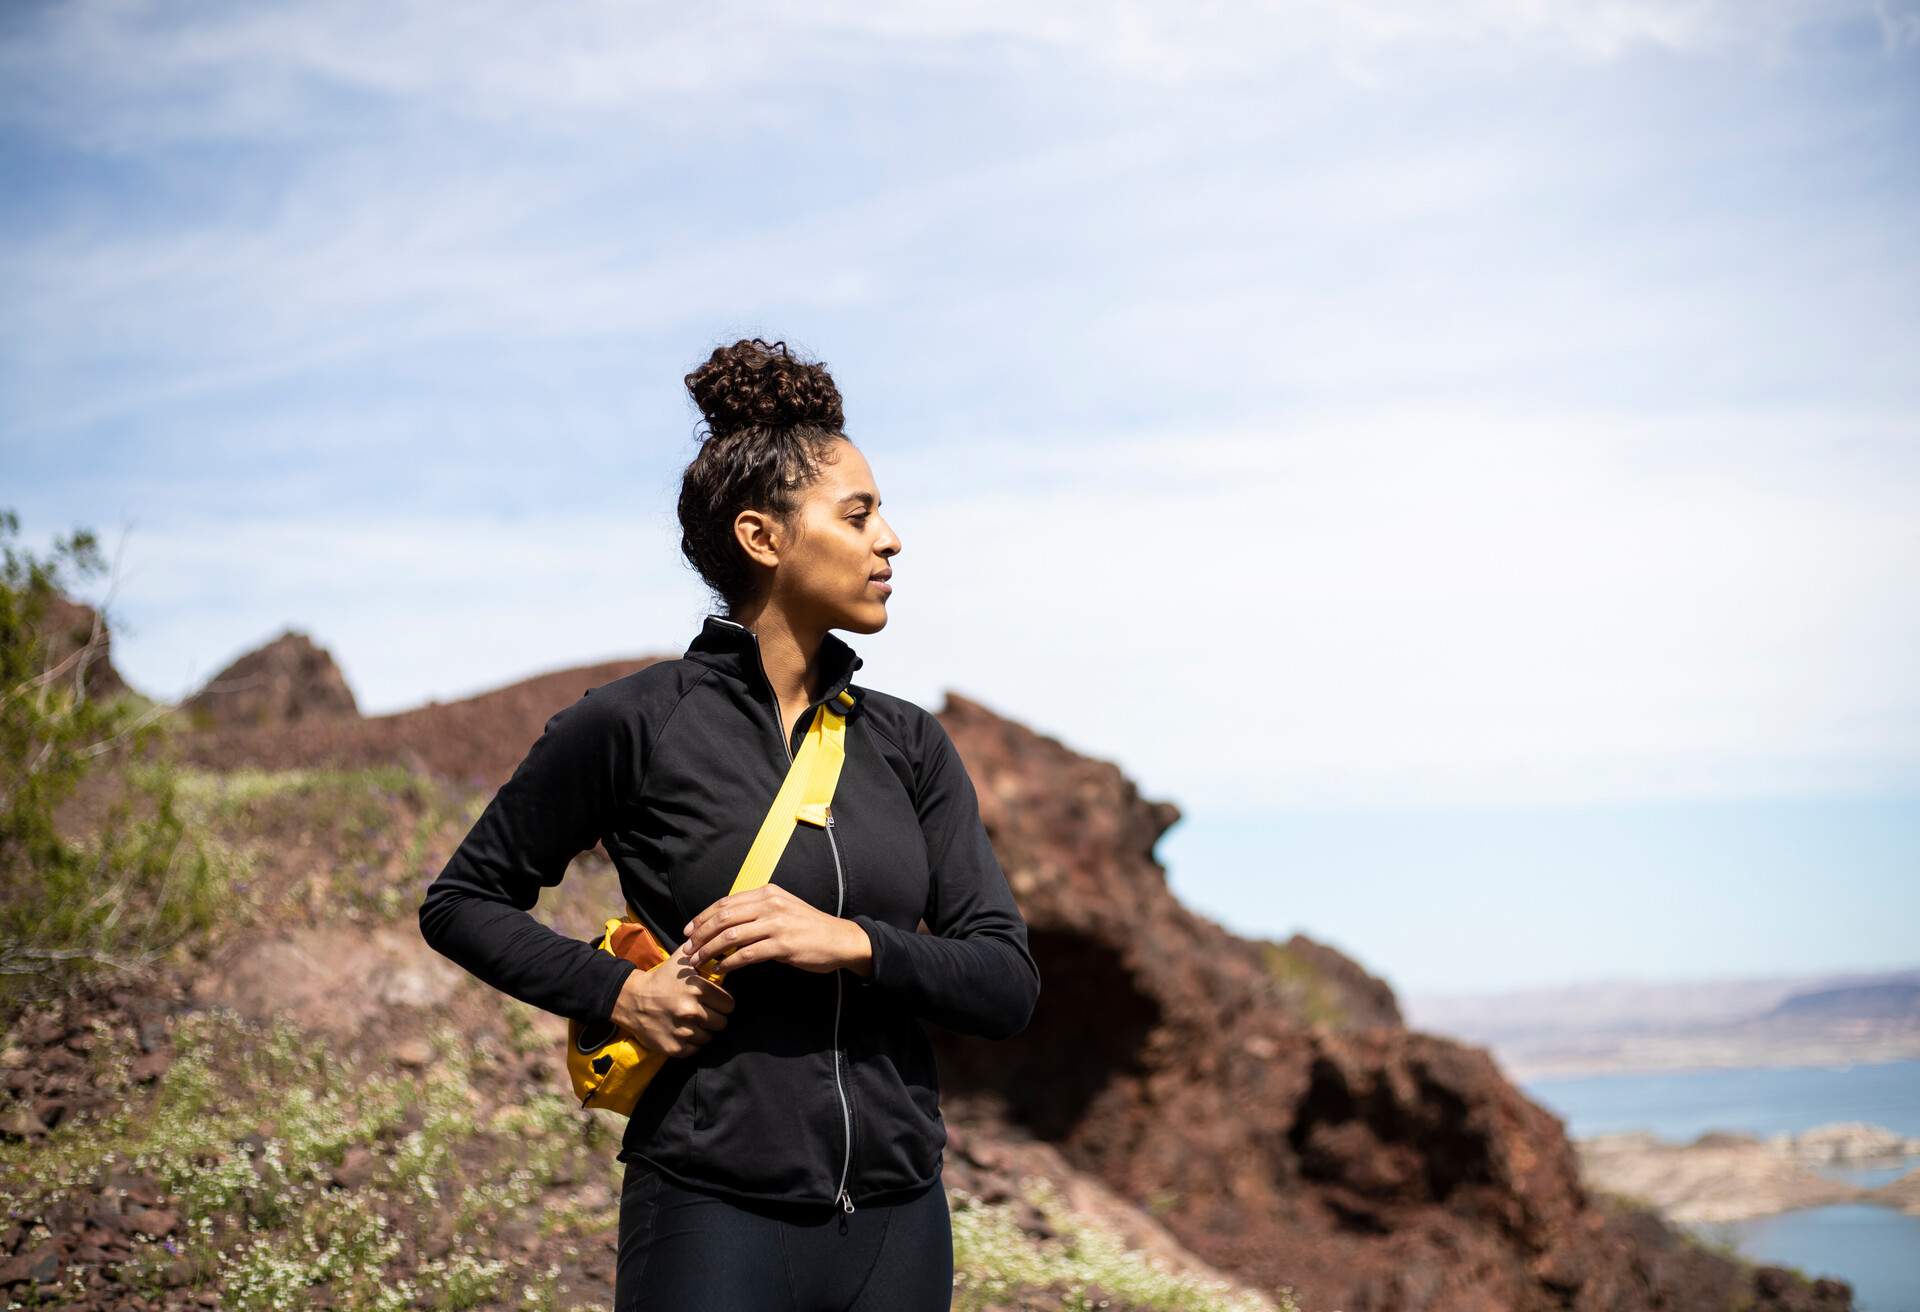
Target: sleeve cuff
[876,935]
[616,984]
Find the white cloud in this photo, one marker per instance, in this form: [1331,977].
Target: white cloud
[1409,606]
[1438,604]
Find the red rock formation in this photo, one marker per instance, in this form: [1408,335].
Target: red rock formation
[1267,1096]
[475,741]
[288,681]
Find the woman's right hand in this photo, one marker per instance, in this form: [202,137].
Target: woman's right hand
[670,1008]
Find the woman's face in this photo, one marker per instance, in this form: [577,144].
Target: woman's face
[826,573]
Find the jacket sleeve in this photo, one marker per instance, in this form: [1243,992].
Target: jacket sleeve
[973,974]
[556,805]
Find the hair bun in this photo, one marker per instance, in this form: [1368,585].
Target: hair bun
[757,382]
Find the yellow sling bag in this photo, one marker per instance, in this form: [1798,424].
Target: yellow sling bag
[609,1066]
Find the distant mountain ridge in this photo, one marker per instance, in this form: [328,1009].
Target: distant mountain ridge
[1619,1025]
[1894,1000]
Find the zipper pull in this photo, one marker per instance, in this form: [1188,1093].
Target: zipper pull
[846,1202]
[829,817]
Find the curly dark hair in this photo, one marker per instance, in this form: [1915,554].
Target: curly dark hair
[769,419]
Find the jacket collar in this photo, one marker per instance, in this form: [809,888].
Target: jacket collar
[734,650]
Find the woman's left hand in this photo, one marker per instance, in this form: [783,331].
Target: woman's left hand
[770,923]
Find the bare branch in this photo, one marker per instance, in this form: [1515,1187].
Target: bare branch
[50,674]
[145,718]
[15,961]
[84,655]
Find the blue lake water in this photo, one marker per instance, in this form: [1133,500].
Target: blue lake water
[1876,1248]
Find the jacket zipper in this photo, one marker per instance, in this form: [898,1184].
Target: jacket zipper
[846,1111]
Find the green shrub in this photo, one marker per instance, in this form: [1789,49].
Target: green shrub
[136,888]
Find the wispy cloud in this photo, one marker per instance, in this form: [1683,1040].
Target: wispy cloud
[151,72]
[1480,400]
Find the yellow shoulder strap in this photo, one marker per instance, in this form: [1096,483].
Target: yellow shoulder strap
[804,795]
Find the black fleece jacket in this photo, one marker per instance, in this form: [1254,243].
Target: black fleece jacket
[821,1087]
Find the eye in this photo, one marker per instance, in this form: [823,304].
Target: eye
[860,518]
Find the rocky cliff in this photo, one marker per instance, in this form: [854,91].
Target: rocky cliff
[1265,1098]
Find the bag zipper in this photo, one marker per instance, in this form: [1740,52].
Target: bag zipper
[846,1111]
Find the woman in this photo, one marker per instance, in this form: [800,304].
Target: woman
[788,1154]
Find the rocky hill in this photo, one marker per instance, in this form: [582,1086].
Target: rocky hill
[1251,1118]
[1265,1096]
[291,680]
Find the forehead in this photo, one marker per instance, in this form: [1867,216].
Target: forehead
[848,479]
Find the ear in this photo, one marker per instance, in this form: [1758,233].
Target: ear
[758,534]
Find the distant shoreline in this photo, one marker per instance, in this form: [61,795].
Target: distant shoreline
[1678,1056]
[1731,1176]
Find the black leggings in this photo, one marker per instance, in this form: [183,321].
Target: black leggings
[681,1248]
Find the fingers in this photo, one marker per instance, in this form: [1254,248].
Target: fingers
[713,996]
[725,948]
[700,1021]
[715,916]
[692,1027]
[697,1008]
[732,910]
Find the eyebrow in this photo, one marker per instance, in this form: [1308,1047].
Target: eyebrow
[867,497]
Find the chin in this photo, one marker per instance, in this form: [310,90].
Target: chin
[868,619]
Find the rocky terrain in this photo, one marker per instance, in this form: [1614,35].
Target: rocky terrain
[1193,1120]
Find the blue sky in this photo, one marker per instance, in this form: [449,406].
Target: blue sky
[1466,455]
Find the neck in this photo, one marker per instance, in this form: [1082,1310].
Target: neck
[788,652]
